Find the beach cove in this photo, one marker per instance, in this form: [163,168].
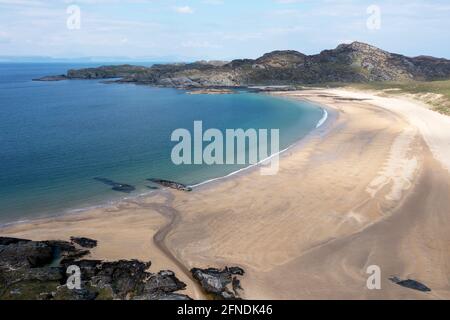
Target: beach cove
[369,187]
[69,146]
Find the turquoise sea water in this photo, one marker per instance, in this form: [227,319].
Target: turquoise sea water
[56,137]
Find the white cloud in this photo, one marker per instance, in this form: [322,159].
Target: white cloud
[184,10]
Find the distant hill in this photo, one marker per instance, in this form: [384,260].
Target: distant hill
[350,63]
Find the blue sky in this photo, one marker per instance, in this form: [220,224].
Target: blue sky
[218,29]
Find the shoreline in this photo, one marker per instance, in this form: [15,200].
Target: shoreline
[137,197]
[296,144]
[340,191]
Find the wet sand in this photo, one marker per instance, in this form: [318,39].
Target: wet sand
[370,187]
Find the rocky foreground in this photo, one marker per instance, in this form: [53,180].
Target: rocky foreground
[348,63]
[37,270]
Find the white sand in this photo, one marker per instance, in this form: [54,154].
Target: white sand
[434,127]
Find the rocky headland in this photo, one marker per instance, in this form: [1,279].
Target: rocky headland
[348,63]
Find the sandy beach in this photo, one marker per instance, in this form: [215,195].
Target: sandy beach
[369,187]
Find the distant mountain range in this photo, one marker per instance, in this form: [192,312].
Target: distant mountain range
[94,59]
[355,62]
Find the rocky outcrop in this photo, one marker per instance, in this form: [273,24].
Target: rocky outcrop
[52,78]
[171,184]
[410,284]
[348,63]
[221,284]
[84,242]
[127,280]
[36,270]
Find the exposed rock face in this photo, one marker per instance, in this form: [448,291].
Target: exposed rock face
[410,284]
[222,284]
[171,184]
[36,270]
[355,62]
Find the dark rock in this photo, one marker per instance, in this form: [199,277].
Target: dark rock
[27,268]
[84,242]
[63,293]
[163,281]
[235,271]
[236,285]
[130,280]
[410,284]
[171,184]
[162,286]
[117,186]
[222,284]
[4,241]
[65,250]
[125,278]
[36,270]
[24,283]
[26,254]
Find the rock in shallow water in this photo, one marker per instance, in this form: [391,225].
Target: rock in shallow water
[171,184]
[117,186]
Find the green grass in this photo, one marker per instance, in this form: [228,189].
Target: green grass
[419,89]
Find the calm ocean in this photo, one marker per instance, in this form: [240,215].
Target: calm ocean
[56,137]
